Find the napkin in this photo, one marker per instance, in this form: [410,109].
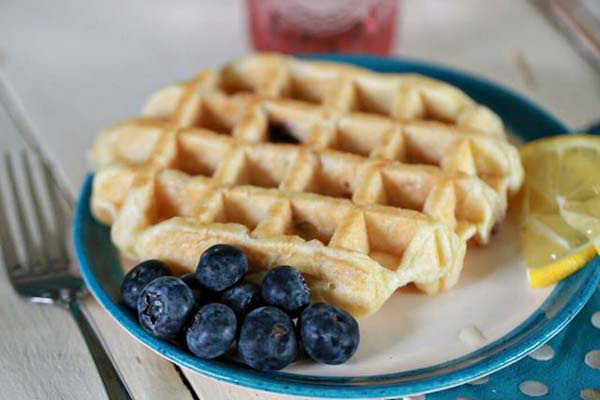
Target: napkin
[567,367]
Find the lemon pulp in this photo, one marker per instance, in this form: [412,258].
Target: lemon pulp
[560,214]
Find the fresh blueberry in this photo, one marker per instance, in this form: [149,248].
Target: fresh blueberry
[221,266]
[212,332]
[241,298]
[201,294]
[267,339]
[284,287]
[140,276]
[191,281]
[330,335]
[164,306]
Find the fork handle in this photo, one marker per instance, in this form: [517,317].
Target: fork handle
[114,385]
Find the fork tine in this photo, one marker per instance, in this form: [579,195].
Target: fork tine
[11,261]
[25,231]
[59,215]
[37,208]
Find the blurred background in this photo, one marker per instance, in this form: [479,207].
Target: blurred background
[78,66]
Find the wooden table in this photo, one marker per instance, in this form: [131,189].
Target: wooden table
[69,68]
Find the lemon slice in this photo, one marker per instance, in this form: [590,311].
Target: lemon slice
[560,215]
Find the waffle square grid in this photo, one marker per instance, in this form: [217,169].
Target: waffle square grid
[316,165]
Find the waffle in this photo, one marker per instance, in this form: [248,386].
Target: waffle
[316,165]
[417,119]
[351,255]
[345,88]
[466,203]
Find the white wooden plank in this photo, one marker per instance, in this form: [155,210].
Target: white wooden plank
[486,38]
[148,375]
[208,388]
[42,354]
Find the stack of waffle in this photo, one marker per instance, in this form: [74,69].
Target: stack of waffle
[365,182]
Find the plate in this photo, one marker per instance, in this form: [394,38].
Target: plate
[415,343]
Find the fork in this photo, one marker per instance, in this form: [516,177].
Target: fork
[41,274]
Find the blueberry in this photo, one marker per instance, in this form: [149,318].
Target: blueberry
[221,266]
[242,298]
[267,339]
[329,334]
[212,332]
[164,306]
[191,281]
[201,294]
[140,276]
[284,287]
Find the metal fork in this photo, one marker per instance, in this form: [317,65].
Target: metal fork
[41,274]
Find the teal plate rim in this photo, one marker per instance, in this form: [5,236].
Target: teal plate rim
[100,268]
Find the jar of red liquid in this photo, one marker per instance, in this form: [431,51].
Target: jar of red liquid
[314,26]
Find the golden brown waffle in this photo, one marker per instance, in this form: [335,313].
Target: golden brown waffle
[352,255]
[306,100]
[346,88]
[466,203]
[334,202]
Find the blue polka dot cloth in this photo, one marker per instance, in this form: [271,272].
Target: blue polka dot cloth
[567,367]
